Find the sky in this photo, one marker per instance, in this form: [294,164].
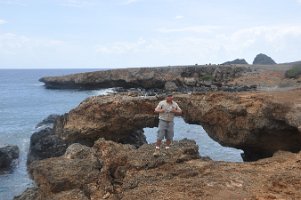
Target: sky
[146,33]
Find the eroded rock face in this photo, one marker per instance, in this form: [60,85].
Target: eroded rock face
[257,123]
[170,78]
[110,117]
[7,155]
[130,173]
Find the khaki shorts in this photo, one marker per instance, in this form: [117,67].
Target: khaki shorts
[166,130]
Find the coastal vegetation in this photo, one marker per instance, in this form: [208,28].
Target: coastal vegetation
[294,72]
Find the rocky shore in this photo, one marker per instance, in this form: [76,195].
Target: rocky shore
[109,170]
[260,123]
[98,150]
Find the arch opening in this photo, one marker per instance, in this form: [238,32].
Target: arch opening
[207,146]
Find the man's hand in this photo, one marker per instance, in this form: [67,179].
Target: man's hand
[177,112]
[159,111]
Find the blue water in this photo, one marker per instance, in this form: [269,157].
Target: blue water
[24,102]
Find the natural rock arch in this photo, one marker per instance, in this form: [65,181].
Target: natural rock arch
[251,122]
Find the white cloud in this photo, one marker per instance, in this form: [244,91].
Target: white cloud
[178,17]
[195,29]
[121,47]
[77,3]
[220,45]
[11,44]
[2,21]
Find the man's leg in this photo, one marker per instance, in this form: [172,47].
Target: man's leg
[160,136]
[170,134]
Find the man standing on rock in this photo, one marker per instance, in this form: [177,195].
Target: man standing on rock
[167,110]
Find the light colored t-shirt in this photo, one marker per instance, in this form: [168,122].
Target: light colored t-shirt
[167,115]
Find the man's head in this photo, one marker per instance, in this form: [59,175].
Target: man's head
[169,97]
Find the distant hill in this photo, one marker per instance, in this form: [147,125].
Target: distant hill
[262,59]
[292,63]
[236,61]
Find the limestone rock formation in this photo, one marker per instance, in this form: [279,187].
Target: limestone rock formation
[257,123]
[262,59]
[116,171]
[171,78]
[7,155]
[111,117]
[236,62]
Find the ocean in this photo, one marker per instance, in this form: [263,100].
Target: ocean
[24,102]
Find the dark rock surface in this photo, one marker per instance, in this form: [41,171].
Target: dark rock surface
[48,121]
[45,144]
[7,155]
[262,59]
[236,62]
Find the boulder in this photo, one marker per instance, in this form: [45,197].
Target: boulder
[7,155]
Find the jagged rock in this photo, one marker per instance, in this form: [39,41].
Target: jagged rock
[253,122]
[136,138]
[236,62]
[54,175]
[7,155]
[262,59]
[45,144]
[130,173]
[29,194]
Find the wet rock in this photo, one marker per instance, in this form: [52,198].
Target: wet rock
[48,122]
[7,155]
[45,144]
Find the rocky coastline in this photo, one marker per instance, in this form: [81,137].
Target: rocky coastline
[98,150]
[174,78]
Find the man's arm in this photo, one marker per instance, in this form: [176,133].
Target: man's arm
[159,109]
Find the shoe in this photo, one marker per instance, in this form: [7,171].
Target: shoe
[156,153]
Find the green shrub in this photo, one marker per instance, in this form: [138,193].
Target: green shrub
[294,72]
[207,77]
